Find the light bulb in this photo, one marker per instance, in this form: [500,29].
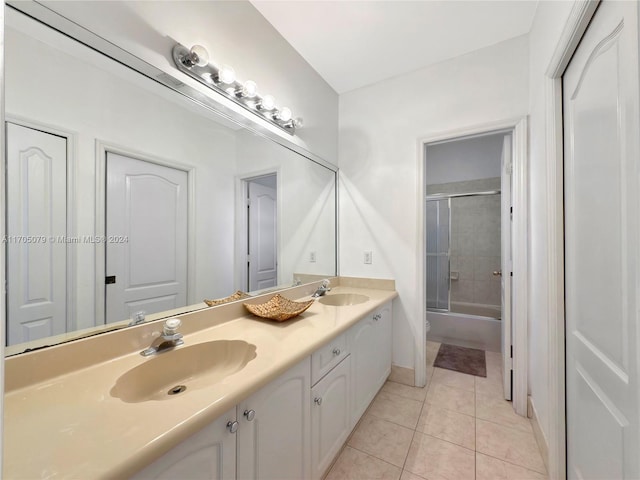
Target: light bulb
[199,55]
[298,122]
[249,89]
[226,75]
[268,103]
[285,114]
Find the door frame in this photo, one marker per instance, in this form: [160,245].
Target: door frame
[102,148]
[71,229]
[519,195]
[242,223]
[574,28]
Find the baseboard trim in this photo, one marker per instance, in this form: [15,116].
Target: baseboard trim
[402,375]
[541,440]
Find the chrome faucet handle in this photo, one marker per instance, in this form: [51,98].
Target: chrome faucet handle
[326,283]
[171,326]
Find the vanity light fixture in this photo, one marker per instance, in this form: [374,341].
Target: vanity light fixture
[195,63]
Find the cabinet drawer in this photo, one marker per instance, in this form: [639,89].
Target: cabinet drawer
[327,357]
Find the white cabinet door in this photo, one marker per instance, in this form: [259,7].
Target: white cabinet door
[209,454]
[274,437]
[383,320]
[330,417]
[362,345]
[370,347]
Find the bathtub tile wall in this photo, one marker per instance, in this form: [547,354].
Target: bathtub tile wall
[475,241]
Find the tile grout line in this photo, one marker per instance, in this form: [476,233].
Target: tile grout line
[510,462]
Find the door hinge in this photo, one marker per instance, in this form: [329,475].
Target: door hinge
[510,359]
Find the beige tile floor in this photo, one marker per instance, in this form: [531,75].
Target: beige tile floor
[458,427]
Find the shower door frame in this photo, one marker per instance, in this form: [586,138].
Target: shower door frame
[518,128]
[434,197]
[437,256]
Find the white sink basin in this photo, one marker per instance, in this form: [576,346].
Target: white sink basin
[343,299]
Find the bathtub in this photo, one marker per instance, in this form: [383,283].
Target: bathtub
[467,325]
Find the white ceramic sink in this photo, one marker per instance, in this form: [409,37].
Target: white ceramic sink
[343,299]
[174,373]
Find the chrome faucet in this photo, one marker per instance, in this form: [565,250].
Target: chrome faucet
[322,289]
[169,339]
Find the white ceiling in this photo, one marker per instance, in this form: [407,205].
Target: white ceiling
[356,43]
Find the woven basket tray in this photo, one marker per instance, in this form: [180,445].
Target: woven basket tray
[231,298]
[278,308]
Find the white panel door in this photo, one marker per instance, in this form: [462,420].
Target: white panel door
[146,234]
[600,90]
[36,227]
[263,232]
[506,264]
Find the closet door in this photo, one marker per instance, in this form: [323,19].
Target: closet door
[36,230]
[600,89]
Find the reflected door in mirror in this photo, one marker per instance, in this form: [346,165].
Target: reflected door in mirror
[36,231]
[263,233]
[146,237]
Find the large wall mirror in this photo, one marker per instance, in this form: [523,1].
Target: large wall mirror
[124,196]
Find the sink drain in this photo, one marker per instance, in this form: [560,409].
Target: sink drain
[176,390]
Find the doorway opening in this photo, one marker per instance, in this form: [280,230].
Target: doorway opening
[260,194]
[468,299]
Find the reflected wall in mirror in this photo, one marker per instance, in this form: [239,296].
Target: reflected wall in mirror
[124,196]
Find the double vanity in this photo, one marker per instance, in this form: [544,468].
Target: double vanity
[241,398]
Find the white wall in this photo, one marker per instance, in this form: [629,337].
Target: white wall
[380,126]
[547,26]
[234,33]
[462,160]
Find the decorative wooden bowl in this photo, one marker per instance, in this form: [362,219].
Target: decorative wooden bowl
[239,295]
[278,308]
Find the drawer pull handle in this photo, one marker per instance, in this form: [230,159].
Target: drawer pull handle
[318,400]
[336,351]
[250,414]
[232,426]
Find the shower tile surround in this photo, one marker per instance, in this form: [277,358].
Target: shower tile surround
[475,242]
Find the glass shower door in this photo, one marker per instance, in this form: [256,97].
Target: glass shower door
[438,239]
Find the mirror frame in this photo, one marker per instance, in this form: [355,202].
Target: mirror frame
[211,101]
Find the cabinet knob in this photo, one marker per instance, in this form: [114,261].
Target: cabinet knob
[377,317]
[232,426]
[318,400]
[250,414]
[336,351]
